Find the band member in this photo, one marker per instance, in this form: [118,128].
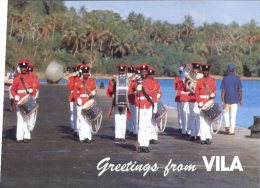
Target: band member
[37,85]
[84,90]
[204,91]
[177,86]
[23,85]
[185,110]
[146,105]
[35,78]
[131,123]
[120,111]
[73,77]
[154,132]
[194,123]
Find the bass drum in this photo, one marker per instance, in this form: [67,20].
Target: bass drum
[121,97]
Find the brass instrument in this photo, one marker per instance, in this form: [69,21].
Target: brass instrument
[190,78]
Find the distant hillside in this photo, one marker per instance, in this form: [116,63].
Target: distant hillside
[46,30]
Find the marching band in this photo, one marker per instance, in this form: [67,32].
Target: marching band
[136,103]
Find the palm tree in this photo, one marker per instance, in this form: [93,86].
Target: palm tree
[251,35]
[74,39]
[135,44]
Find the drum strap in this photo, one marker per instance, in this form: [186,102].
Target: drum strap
[85,86]
[24,85]
[147,97]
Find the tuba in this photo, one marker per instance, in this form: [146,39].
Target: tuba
[190,78]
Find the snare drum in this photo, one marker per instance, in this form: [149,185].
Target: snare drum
[161,112]
[211,110]
[28,104]
[91,109]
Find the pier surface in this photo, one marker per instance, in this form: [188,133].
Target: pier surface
[55,159]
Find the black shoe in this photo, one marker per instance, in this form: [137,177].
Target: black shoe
[140,150]
[26,140]
[197,137]
[87,140]
[179,130]
[19,141]
[76,135]
[227,130]
[131,134]
[122,140]
[134,135]
[117,140]
[192,138]
[202,142]
[146,150]
[153,141]
[208,141]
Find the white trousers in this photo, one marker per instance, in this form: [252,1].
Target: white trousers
[10,94]
[131,124]
[120,123]
[32,120]
[145,127]
[194,119]
[205,131]
[230,116]
[73,116]
[33,116]
[83,125]
[179,115]
[185,113]
[154,130]
[22,128]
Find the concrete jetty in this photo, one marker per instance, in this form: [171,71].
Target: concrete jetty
[55,159]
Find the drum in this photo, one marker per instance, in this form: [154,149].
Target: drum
[121,97]
[28,104]
[211,110]
[91,109]
[161,112]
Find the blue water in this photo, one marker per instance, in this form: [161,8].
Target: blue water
[245,114]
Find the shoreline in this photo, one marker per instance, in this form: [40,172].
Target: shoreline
[104,76]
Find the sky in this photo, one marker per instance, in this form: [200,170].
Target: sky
[174,11]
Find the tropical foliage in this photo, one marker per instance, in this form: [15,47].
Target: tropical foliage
[47,30]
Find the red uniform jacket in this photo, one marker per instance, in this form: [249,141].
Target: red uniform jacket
[158,86]
[35,80]
[202,95]
[183,92]
[178,85]
[70,86]
[151,89]
[82,89]
[110,90]
[18,88]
